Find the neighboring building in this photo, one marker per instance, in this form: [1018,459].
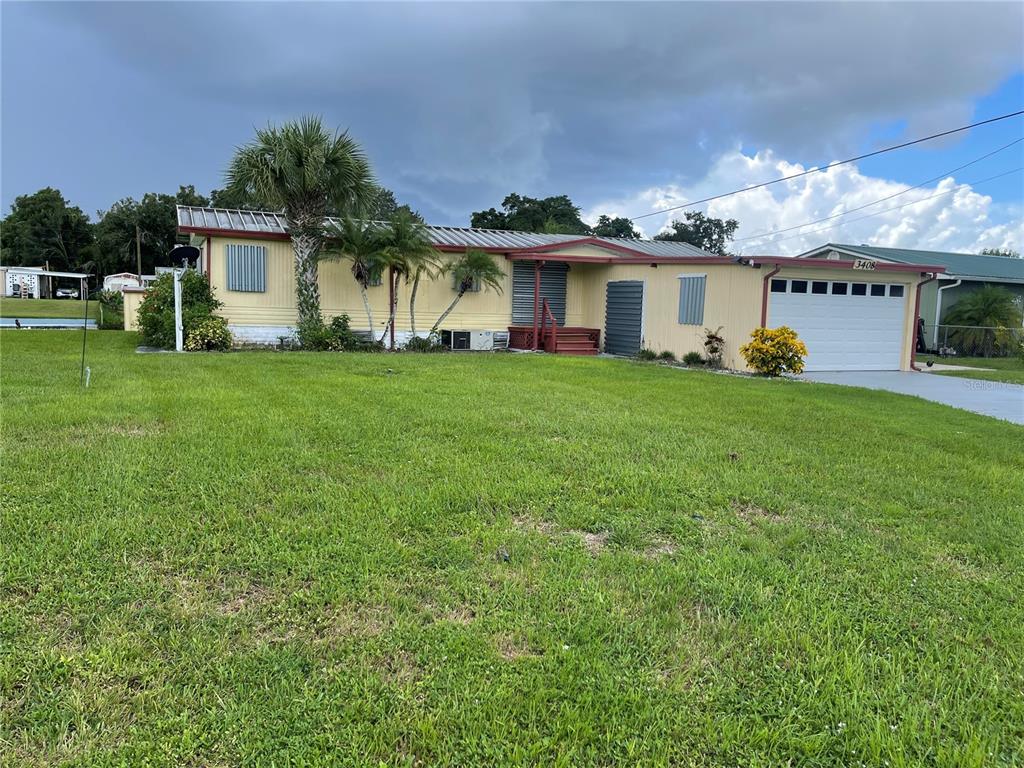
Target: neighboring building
[608,294]
[121,280]
[37,283]
[965,272]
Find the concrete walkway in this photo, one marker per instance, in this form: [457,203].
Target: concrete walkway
[990,398]
[45,322]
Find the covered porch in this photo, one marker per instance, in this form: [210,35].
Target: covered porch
[551,305]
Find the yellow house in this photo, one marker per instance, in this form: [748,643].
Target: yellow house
[579,295]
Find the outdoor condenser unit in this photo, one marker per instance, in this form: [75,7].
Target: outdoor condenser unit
[478,341]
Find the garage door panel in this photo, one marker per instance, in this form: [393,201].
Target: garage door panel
[843,332]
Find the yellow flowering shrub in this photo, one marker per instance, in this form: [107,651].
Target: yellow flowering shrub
[773,351]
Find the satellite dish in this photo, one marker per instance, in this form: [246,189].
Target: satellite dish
[183,254]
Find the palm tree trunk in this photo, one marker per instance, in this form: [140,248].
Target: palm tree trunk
[412,301]
[307,245]
[366,305]
[446,312]
[393,277]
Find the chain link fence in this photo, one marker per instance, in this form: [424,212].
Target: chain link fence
[972,340]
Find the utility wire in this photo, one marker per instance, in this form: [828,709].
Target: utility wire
[831,165]
[905,205]
[881,199]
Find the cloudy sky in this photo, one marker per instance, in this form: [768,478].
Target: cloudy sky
[627,108]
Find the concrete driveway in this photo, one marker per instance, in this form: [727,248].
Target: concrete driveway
[991,398]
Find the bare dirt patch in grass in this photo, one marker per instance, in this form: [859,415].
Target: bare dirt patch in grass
[659,548]
[399,668]
[751,512]
[512,646]
[594,542]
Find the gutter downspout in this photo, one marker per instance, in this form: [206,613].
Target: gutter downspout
[917,309]
[764,293]
[938,309]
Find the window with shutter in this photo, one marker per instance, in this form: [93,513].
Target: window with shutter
[691,299]
[247,268]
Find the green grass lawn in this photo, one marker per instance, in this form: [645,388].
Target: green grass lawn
[298,559]
[1006,369]
[60,308]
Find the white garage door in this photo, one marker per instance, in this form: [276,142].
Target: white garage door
[847,326]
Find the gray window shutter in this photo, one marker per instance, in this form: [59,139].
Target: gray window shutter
[691,299]
[247,268]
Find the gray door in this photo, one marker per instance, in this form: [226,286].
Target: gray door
[623,317]
[552,288]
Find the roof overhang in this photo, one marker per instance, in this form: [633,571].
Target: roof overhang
[851,264]
[634,258]
[30,271]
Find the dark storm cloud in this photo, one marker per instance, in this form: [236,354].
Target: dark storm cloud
[459,104]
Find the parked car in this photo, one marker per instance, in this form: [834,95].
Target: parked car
[67,293]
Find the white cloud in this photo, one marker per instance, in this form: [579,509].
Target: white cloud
[947,216]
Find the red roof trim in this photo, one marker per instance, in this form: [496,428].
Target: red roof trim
[596,242]
[216,232]
[798,263]
[642,258]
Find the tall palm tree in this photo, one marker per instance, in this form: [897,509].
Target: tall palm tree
[302,169]
[361,243]
[407,253]
[981,312]
[472,268]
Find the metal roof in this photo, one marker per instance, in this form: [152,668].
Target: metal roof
[994,268]
[41,272]
[263,222]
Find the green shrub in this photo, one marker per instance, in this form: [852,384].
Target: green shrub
[667,355]
[693,358]
[647,354]
[714,346]
[209,334]
[156,313]
[111,310]
[338,336]
[431,343]
[773,351]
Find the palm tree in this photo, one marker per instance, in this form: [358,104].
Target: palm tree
[361,243]
[472,268]
[982,311]
[408,253]
[300,168]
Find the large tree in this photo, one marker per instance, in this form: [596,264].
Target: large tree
[43,228]
[155,217]
[305,171]
[527,214]
[360,242]
[707,233]
[620,226]
[1007,252]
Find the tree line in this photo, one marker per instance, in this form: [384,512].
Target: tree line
[44,228]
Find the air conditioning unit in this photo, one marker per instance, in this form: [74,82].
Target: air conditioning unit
[477,341]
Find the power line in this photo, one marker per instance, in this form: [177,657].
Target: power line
[881,199]
[905,205]
[832,165]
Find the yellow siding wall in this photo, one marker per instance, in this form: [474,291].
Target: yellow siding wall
[732,300]
[132,300]
[339,294]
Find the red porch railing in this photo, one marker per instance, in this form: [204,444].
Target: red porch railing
[548,336]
